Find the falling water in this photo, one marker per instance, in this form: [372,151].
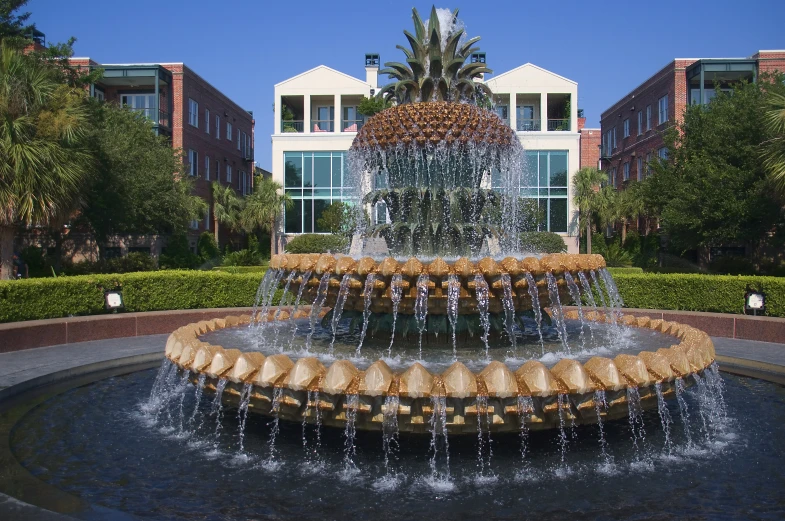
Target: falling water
[350,451]
[600,405]
[311,449]
[439,439]
[484,448]
[635,416]
[160,382]
[276,322]
[217,408]
[483,299]
[561,401]
[599,291]
[162,393]
[453,294]
[509,310]
[367,295]
[525,407]
[421,306]
[575,293]
[181,392]
[556,310]
[396,292]
[390,430]
[706,409]
[614,297]
[683,410]
[534,294]
[268,299]
[304,280]
[261,290]
[316,307]
[340,301]
[275,408]
[665,417]
[198,396]
[242,412]
[717,386]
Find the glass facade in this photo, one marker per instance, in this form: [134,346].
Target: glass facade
[545,180]
[313,180]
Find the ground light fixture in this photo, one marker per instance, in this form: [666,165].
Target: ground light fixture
[113,300]
[754,301]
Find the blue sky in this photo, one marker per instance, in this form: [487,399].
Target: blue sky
[245,47]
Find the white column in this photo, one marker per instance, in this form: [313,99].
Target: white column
[512,110]
[574,112]
[277,115]
[543,111]
[338,123]
[307,113]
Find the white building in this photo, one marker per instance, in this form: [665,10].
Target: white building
[316,120]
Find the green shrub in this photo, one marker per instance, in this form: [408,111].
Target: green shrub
[542,242]
[207,247]
[178,255]
[618,271]
[317,243]
[131,263]
[38,265]
[241,269]
[32,299]
[614,254]
[732,265]
[698,292]
[242,258]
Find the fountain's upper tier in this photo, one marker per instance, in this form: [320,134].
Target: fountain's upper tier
[436,144]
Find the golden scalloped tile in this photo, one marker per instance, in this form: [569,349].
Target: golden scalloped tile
[537,379]
[376,380]
[273,369]
[459,381]
[338,377]
[605,373]
[658,366]
[633,369]
[246,366]
[499,381]
[573,376]
[415,382]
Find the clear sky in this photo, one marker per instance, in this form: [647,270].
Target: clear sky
[244,47]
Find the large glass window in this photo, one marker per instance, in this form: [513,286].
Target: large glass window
[313,180]
[545,181]
[143,103]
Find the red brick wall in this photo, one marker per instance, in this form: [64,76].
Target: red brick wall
[591,138]
[770,61]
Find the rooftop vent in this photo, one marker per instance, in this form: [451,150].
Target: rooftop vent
[478,57]
[371,60]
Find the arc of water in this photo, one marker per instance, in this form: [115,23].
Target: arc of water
[277,314]
[275,408]
[483,299]
[268,298]
[367,296]
[531,285]
[340,301]
[390,430]
[589,298]
[635,416]
[560,402]
[509,310]
[683,410]
[556,310]
[525,407]
[396,292]
[665,417]
[316,307]
[306,276]
[198,396]
[242,413]
[261,290]
[453,294]
[438,424]
[350,451]
[421,306]
[575,293]
[600,405]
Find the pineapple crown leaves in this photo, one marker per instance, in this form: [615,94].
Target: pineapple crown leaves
[433,72]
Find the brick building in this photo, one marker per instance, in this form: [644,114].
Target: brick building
[590,145]
[215,134]
[632,128]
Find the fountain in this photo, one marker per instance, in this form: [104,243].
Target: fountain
[448,171]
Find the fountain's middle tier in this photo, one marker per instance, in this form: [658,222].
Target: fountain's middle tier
[462,287]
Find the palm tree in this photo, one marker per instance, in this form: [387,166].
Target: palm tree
[586,195]
[264,206]
[226,208]
[43,161]
[630,207]
[774,153]
[435,70]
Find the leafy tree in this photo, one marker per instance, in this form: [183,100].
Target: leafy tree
[338,218]
[227,206]
[713,189]
[370,106]
[264,206]
[140,187]
[774,148]
[207,247]
[13,24]
[586,186]
[44,163]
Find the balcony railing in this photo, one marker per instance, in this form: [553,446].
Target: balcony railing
[528,125]
[323,125]
[558,125]
[352,125]
[164,120]
[292,126]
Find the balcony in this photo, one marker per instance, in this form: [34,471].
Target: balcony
[248,155]
[528,125]
[352,125]
[292,126]
[558,125]
[164,119]
[323,125]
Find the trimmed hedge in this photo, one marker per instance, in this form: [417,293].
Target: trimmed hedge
[33,299]
[620,271]
[696,292]
[317,243]
[242,269]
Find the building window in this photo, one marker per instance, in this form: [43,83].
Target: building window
[640,122]
[217,127]
[206,168]
[648,164]
[648,117]
[313,180]
[239,140]
[218,171]
[228,174]
[195,224]
[207,120]
[639,173]
[627,127]
[193,113]
[626,172]
[663,110]
[614,138]
[248,152]
[228,131]
[663,153]
[613,177]
[193,165]
[207,218]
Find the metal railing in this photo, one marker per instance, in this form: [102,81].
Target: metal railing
[528,125]
[558,125]
[163,119]
[323,125]
[292,126]
[352,125]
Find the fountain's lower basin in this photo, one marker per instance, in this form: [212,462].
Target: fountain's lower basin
[370,398]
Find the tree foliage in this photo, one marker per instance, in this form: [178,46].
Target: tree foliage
[774,148]
[140,187]
[586,186]
[338,218]
[12,23]
[265,204]
[373,105]
[713,189]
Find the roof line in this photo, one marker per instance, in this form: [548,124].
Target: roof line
[321,67]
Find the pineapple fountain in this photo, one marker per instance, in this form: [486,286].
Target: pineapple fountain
[449,172]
